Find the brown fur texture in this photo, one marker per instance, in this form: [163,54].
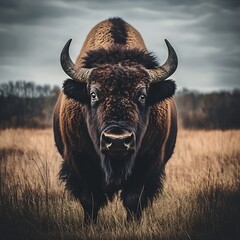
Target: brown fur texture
[118,54]
[101,37]
[79,120]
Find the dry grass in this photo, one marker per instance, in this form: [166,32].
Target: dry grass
[201,198]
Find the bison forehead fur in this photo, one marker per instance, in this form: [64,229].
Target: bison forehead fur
[115,122]
[119,54]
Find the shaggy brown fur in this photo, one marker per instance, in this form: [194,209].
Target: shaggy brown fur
[119,79]
[119,54]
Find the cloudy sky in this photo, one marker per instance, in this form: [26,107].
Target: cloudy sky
[205,35]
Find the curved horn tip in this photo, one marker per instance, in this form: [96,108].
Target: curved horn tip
[171,50]
[66,62]
[69,42]
[168,68]
[66,48]
[168,43]
[73,71]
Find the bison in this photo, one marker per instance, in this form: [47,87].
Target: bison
[115,121]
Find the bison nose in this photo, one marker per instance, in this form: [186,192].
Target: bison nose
[117,143]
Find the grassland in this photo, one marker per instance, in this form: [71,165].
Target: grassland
[201,198]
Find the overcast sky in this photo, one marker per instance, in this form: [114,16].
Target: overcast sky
[205,35]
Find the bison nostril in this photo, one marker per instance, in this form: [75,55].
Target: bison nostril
[108,145]
[107,139]
[128,139]
[127,145]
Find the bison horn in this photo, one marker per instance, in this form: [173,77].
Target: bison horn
[73,71]
[167,69]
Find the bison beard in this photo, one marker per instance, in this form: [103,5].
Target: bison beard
[117,170]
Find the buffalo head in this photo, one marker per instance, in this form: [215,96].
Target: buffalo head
[117,87]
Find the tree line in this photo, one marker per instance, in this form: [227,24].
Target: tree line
[30,105]
[216,110]
[26,104]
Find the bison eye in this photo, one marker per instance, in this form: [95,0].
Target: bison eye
[94,96]
[142,98]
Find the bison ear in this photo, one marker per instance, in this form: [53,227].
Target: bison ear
[75,90]
[160,91]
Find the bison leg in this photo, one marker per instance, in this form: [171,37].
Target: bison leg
[90,207]
[134,203]
[137,198]
[91,203]
[90,196]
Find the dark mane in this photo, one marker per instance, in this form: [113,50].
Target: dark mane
[119,54]
[118,30]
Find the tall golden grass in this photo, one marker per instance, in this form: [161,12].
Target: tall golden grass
[201,198]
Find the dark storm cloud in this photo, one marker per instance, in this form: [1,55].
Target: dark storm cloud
[205,34]
[222,30]
[21,22]
[27,12]
[32,11]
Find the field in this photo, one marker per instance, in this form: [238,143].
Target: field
[201,198]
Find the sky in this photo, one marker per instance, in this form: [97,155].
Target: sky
[205,35]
